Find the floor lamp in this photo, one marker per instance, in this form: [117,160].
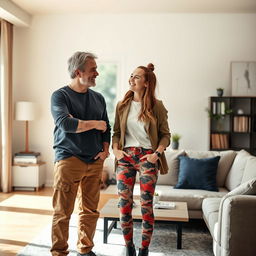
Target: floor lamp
[25,111]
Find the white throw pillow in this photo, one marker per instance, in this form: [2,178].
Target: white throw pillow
[250,169]
[247,188]
[236,172]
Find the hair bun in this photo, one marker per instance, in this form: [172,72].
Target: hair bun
[151,66]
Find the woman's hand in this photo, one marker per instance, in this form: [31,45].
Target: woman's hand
[152,158]
[119,154]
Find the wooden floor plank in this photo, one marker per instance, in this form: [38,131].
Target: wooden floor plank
[23,214]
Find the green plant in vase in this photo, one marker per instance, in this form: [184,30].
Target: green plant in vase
[220,92]
[219,117]
[175,140]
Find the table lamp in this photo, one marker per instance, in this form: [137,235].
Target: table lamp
[25,111]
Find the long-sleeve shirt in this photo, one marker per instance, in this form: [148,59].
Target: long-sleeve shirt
[68,107]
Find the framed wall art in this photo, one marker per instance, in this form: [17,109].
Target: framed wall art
[243,78]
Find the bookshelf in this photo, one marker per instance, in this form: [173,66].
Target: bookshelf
[236,130]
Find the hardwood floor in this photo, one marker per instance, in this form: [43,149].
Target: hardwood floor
[23,214]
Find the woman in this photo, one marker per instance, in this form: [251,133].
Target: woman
[141,134]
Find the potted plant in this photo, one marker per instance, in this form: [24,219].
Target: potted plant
[220,92]
[175,140]
[219,117]
[156,198]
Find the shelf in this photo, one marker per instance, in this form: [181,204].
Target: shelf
[234,131]
[233,115]
[220,149]
[220,132]
[240,133]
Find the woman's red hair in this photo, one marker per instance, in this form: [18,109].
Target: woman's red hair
[148,98]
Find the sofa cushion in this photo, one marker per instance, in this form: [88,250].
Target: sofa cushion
[210,208]
[198,173]
[201,154]
[250,169]
[171,178]
[236,172]
[194,198]
[210,205]
[226,159]
[246,188]
[225,163]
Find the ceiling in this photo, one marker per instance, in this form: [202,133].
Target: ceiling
[44,7]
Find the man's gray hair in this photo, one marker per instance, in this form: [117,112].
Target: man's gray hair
[77,62]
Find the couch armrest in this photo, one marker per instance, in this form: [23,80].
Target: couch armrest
[237,226]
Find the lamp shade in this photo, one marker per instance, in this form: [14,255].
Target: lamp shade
[25,111]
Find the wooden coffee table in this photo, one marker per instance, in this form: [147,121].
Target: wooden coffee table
[179,215]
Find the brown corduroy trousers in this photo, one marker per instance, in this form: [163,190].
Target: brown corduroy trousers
[69,175]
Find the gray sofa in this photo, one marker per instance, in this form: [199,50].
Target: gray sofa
[232,219]
[230,174]
[229,214]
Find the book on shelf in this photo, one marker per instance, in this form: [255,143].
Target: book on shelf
[242,124]
[165,205]
[222,108]
[219,141]
[218,108]
[214,111]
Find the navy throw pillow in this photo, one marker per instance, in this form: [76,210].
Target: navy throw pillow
[198,173]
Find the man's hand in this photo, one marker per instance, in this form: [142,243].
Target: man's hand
[101,125]
[102,155]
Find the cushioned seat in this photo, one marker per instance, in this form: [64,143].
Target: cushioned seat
[231,220]
[210,209]
[168,193]
[210,205]
[194,198]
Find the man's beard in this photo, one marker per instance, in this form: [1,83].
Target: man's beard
[87,83]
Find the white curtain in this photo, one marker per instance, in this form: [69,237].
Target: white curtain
[6,115]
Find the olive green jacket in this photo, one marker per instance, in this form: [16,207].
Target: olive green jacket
[157,130]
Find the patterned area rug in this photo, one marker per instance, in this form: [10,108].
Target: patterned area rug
[196,241]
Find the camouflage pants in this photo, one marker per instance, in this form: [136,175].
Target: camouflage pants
[126,176]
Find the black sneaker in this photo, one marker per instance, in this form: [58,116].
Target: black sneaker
[91,253]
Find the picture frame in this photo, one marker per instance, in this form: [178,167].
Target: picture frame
[243,78]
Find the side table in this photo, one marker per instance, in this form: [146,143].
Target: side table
[28,176]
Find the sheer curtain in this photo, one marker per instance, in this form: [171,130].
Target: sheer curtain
[6,116]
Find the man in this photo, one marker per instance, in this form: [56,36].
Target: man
[81,143]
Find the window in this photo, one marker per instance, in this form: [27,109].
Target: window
[106,84]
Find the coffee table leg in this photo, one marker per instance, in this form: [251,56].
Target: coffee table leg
[105,231]
[179,235]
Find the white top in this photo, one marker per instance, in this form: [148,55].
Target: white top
[136,135]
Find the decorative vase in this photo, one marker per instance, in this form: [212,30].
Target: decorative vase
[175,145]
[220,92]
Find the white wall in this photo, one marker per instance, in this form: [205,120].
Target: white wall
[191,53]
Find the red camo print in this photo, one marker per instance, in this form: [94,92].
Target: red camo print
[126,175]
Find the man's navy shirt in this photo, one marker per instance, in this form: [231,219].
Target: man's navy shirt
[67,107]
